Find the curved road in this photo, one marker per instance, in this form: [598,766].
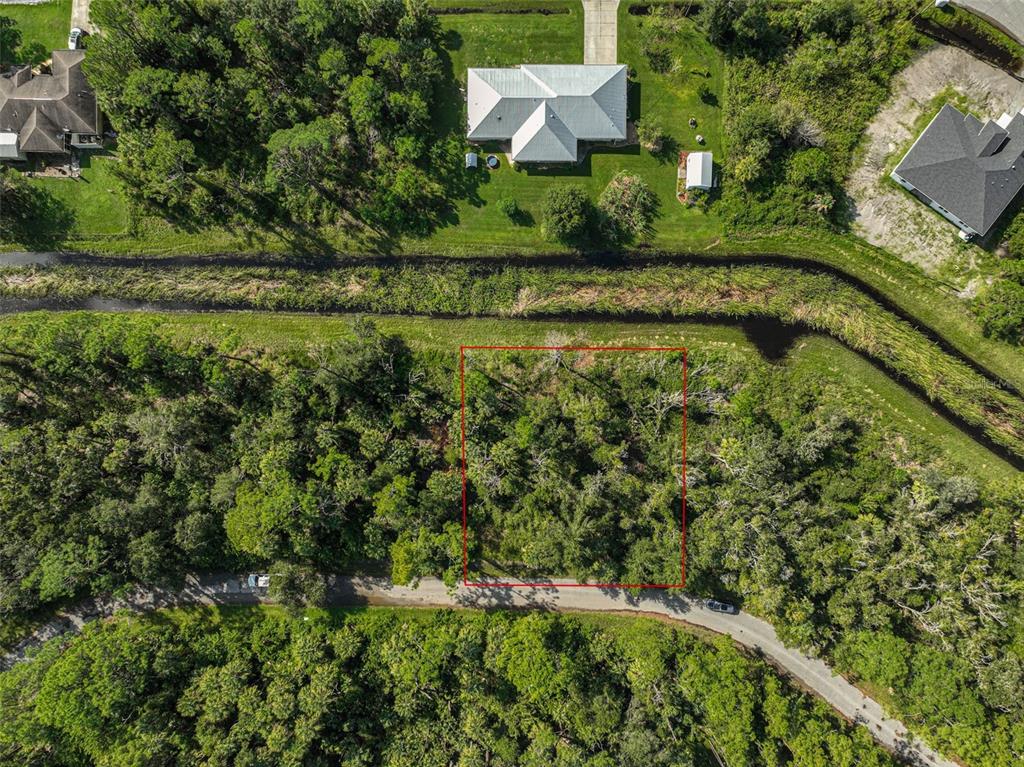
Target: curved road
[752,633]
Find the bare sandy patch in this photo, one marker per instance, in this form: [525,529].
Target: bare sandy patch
[888,217]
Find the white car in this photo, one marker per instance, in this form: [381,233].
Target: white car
[75,38]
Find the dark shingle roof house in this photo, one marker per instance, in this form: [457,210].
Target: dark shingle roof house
[967,170]
[545,110]
[48,112]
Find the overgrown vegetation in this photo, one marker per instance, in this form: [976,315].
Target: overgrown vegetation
[819,301]
[574,463]
[391,688]
[1000,305]
[130,457]
[804,79]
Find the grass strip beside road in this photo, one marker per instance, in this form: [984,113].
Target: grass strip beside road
[819,302]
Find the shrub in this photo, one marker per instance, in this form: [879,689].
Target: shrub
[833,18]
[568,213]
[717,18]
[509,208]
[751,165]
[1014,236]
[652,136]
[1001,307]
[809,169]
[628,207]
[659,57]
[704,93]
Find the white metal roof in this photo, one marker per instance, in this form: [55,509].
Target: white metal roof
[581,102]
[544,137]
[699,170]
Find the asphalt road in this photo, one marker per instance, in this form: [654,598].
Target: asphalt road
[754,634]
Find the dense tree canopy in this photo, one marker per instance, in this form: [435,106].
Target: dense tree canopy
[434,690]
[129,455]
[315,110]
[575,463]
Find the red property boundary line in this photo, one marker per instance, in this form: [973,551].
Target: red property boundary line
[465,505]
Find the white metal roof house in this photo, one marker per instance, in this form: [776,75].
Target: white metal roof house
[699,170]
[967,170]
[545,110]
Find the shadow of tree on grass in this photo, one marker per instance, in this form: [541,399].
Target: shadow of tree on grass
[30,216]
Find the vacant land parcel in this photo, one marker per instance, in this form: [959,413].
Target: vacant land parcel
[574,464]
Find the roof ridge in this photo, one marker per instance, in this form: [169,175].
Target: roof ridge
[525,68]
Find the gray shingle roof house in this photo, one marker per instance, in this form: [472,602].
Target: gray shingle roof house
[967,170]
[49,112]
[547,109]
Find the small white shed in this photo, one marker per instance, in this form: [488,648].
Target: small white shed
[699,170]
[471,159]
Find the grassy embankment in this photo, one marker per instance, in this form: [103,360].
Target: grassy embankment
[820,302]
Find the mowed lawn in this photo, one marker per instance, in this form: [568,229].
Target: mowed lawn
[509,39]
[94,201]
[44,27]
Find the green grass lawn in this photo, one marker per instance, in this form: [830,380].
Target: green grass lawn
[95,201]
[506,39]
[44,27]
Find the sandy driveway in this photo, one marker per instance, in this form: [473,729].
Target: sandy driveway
[886,216]
[600,31]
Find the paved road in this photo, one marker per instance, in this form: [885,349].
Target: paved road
[1008,15]
[600,31]
[746,630]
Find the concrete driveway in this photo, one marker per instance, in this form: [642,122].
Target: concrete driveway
[600,31]
[1008,15]
[80,16]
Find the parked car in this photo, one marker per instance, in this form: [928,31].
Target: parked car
[75,38]
[721,607]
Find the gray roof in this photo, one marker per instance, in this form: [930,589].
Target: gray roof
[546,109]
[42,108]
[970,168]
